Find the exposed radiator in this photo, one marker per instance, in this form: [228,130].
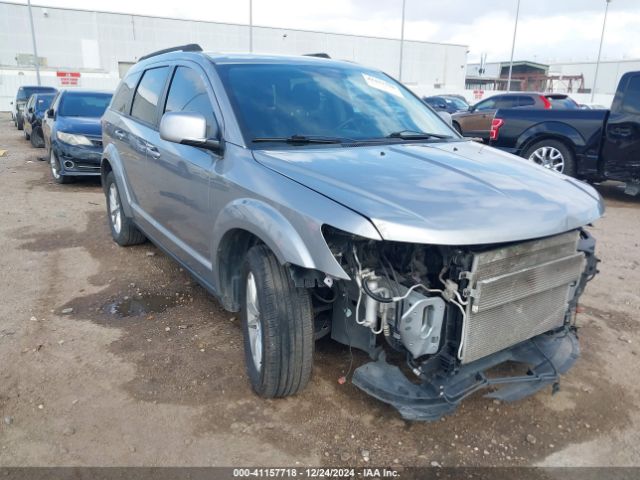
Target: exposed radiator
[518,292]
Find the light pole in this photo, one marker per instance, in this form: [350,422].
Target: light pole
[36,61]
[404,4]
[513,46]
[250,26]
[604,23]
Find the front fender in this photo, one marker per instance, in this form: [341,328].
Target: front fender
[111,158]
[279,234]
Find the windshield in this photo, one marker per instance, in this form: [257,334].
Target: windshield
[25,92]
[84,104]
[281,101]
[43,102]
[458,103]
[565,103]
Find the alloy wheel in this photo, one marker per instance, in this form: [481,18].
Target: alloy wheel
[55,168]
[253,321]
[548,157]
[114,208]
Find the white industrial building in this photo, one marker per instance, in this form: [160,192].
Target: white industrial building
[100,47]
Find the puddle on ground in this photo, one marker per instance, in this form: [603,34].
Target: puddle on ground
[140,305]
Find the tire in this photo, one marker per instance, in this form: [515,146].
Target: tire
[36,138]
[282,325]
[26,135]
[54,167]
[20,123]
[123,230]
[548,152]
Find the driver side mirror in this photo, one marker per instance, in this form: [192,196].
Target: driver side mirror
[189,128]
[472,108]
[51,113]
[30,109]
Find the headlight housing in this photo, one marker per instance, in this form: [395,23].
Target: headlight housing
[73,139]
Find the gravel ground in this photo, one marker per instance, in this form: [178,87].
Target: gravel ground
[115,356]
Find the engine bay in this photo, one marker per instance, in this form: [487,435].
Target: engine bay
[445,309]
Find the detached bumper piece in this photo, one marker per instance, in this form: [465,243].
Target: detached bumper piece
[547,356]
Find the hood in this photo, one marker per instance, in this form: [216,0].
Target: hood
[457,193]
[80,125]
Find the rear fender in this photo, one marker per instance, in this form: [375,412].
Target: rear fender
[558,130]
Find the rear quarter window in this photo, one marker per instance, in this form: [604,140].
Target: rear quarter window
[148,93]
[124,95]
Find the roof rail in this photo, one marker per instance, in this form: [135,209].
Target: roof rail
[319,55]
[190,47]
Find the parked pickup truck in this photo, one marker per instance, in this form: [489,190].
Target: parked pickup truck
[592,145]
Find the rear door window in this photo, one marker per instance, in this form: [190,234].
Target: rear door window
[507,102]
[188,93]
[631,100]
[525,101]
[148,93]
[488,104]
[122,99]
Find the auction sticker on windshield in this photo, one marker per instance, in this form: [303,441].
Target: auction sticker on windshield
[380,84]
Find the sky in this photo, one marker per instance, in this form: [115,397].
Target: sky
[548,30]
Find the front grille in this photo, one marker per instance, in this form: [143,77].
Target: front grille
[518,292]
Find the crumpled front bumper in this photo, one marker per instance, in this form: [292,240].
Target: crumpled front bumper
[547,356]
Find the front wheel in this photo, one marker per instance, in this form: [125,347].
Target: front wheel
[552,154]
[277,321]
[54,165]
[36,138]
[26,135]
[123,230]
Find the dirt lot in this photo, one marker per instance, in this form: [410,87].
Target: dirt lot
[147,369]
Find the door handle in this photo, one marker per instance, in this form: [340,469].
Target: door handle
[153,151]
[120,134]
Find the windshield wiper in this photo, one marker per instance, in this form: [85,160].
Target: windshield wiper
[300,139]
[416,135]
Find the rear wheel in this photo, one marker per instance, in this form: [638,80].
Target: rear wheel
[123,230]
[277,320]
[552,154]
[54,165]
[20,123]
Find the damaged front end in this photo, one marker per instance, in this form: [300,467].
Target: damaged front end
[438,320]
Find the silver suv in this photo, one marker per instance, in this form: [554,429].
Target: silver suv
[322,198]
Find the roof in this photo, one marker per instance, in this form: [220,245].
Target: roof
[85,90]
[223,58]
